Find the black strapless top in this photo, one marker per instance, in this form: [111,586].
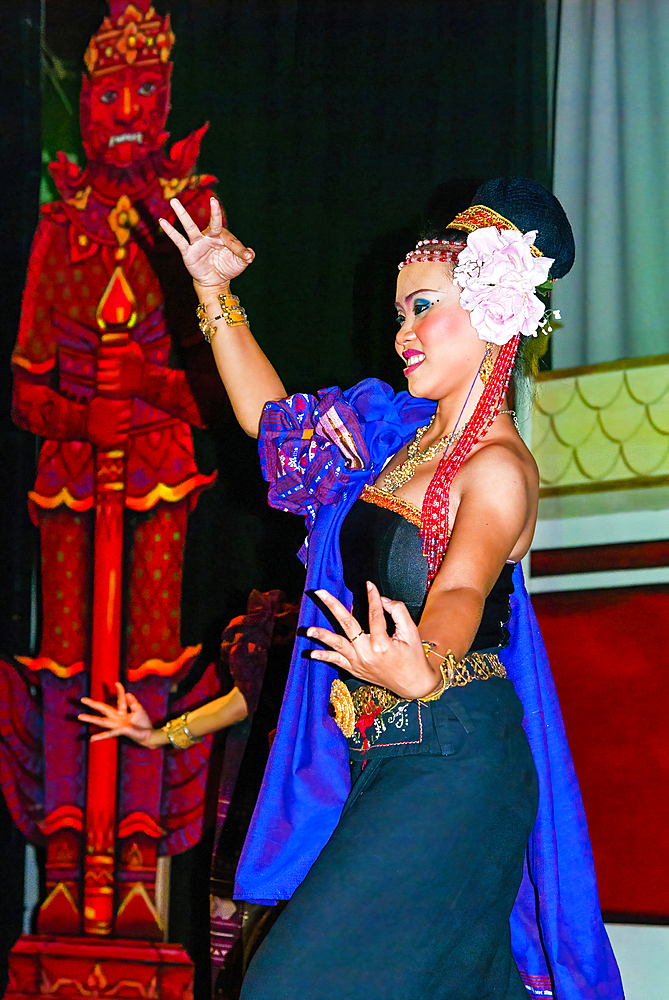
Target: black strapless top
[383,546]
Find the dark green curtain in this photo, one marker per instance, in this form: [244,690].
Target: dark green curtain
[333,124]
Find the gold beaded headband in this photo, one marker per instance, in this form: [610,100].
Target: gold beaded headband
[479,217]
[473,218]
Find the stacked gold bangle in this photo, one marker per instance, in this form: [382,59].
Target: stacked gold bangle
[458,673]
[231,311]
[179,734]
[446,666]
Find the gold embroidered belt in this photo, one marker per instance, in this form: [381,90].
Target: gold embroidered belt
[365,703]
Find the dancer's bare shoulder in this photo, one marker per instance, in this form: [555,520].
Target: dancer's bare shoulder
[497,490]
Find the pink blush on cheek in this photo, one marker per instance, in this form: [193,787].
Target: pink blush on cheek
[443,326]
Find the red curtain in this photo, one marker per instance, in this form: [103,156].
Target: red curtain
[609,653]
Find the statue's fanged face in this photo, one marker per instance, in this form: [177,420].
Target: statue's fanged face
[123,114]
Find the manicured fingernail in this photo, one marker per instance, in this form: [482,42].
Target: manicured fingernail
[248,255]
[311,632]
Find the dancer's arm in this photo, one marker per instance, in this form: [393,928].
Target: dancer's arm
[130,719]
[213,259]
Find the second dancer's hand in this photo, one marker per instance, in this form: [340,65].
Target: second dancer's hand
[397,662]
[213,257]
[129,718]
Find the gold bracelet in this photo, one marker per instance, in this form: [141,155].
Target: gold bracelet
[179,734]
[231,311]
[445,667]
[206,328]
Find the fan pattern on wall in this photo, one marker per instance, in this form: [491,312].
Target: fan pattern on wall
[603,429]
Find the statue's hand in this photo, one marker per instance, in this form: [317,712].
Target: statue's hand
[120,370]
[108,421]
[129,718]
[213,258]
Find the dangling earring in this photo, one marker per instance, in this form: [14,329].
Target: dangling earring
[487,365]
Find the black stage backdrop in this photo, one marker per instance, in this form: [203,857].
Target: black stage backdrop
[337,129]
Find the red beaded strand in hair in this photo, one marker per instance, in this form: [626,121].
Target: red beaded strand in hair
[434,518]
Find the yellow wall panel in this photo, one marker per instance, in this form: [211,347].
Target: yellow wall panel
[603,427]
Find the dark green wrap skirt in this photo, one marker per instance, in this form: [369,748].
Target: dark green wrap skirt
[410,898]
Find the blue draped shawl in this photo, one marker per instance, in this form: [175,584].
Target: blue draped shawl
[317,452]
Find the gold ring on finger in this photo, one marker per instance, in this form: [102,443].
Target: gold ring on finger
[361,632]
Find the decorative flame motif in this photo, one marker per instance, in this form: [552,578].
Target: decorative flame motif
[117,305]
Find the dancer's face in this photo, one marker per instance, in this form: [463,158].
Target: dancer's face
[436,340]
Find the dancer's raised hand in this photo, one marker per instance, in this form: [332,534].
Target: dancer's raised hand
[129,718]
[213,257]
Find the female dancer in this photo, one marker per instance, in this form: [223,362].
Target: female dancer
[417,882]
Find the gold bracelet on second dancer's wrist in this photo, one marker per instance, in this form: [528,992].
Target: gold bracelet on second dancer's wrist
[179,734]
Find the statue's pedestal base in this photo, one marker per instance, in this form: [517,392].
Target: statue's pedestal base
[43,967]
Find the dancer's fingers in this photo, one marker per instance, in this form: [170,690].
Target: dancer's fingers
[405,626]
[176,237]
[336,642]
[349,624]
[133,704]
[216,217]
[192,231]
[378,629]
[236,246]
[98,720]
[336,659]
[99,706]
[107,736]
[120,696]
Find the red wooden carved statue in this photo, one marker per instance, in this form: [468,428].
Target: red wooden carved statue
[95,378]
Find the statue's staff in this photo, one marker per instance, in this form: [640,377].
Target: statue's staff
[115,317]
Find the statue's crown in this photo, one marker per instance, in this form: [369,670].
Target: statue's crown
[134,35]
